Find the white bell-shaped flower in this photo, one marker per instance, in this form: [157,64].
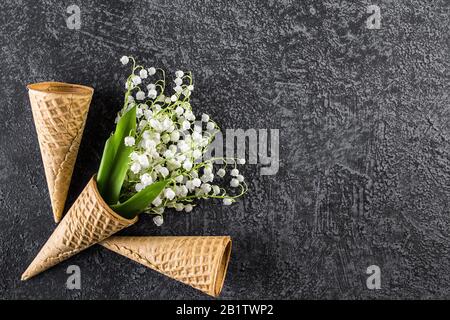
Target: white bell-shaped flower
[157,201]
[135,167]
[210,126]
[158,220]
[124,60]
[169,194]
[134,156]
[129,141]
[148,114]
[184,147]
[146,179]
[181,157]
[140,95]
[205,117]
[234,172]
[143,74]
[178,206]
[234,182]
[164,171]
[168,154]
[221,172]
[206,187]
[173,164]
[189,185]
[185,125]
[178,81]
[187,165]
[165,138]
[179,110]
[216,189]
[152,94]
[228,201]
[196,154]
[136,80]
[174,136]
[143,161]
[196,136]
[196,182]
[155,124]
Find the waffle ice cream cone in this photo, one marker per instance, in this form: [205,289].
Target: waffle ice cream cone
[59,113]
[89,221]
[200,262]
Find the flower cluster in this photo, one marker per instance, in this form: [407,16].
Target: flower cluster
[170,143]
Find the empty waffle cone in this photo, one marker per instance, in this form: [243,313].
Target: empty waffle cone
[89,221]
[59,113]
[200,262]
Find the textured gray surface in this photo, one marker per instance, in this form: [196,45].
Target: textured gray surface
[364,141]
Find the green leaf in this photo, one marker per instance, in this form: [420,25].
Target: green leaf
[106,164]
[115,159]
[118,173]
[141,200]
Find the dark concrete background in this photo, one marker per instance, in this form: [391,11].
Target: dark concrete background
[364,141]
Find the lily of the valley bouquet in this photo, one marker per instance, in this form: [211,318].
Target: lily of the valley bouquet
[153,162]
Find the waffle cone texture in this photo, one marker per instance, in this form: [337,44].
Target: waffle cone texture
[59,113]
[89,221]
[200,262]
